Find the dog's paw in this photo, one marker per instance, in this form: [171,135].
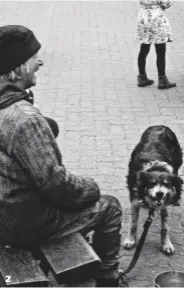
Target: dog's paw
[129,243]
[168,248]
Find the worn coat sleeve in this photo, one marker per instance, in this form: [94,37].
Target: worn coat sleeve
[166,3]
[37,152]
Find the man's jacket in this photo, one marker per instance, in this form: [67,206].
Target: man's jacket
[35,187]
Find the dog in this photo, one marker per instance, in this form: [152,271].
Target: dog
[153,180]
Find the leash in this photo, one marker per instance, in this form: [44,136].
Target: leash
[139,246]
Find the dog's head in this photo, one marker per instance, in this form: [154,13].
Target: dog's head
[158,188]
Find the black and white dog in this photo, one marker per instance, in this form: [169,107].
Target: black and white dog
[153,179]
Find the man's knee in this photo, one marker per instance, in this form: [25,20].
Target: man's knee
[110,215]
[112,201]
[113,205]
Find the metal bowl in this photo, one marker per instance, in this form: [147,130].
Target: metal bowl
[170,279]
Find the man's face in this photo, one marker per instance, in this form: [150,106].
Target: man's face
[34,64]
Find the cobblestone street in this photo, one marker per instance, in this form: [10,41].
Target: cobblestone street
[89,85]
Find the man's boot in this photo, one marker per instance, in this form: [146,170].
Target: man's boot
[144,81]
[163,83]
[119,281]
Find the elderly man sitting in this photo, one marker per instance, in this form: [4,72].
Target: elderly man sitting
[39,199]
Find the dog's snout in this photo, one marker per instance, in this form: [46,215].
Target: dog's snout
[159,195]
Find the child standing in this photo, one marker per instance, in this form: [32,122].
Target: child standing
[153,28]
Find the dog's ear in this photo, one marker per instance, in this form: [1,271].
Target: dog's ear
[141,181]
[142,178]
[177,184]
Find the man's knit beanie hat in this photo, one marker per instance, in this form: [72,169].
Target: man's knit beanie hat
[17,45]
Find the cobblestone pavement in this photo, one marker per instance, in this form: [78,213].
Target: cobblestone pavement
[88,84]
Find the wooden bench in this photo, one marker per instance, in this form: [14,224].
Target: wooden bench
[70,260]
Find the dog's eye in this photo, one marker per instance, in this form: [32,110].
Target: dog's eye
[152,183]
[166,183]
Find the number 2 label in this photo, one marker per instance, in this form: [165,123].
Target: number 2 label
[8,279]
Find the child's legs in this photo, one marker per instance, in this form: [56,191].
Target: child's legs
[161,62]
[143,53]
